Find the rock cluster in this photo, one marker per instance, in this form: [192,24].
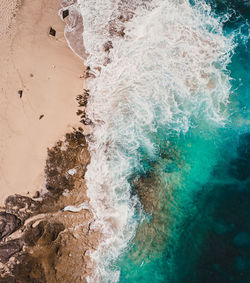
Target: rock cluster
[39,241]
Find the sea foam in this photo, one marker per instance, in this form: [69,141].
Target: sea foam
[164,68]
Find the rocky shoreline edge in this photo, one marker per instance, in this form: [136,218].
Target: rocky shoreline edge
[48,237]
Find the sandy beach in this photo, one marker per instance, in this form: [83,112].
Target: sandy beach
[45,219]
[47,73]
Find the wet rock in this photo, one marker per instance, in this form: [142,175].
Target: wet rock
[79,112]
[21,206]
[65,13]
[9,223]
[82,100]
[61,161]
[30,269]
[40,253]
[9,249]
[46,231]
[107,46]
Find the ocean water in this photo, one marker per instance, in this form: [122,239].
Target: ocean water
[169,180]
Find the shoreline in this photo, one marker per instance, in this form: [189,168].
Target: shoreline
[44,69]
[43,152]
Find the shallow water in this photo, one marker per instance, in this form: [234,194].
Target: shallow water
[169,175]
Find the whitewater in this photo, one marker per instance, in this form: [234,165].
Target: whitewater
[161,80]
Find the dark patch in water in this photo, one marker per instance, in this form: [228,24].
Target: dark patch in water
[215,247]
[240,167]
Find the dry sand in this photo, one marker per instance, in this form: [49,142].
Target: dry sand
[49,74]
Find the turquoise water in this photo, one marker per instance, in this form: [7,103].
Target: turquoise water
[168,180]
[201,232]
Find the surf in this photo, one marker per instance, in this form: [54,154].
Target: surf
[160,72]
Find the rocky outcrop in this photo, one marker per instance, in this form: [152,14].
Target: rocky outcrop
[39,241]
[9,223]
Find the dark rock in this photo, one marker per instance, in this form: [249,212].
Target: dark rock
[107,46]
[86,121]
[30,270]
[9,249]
[79,112]
[21,206]
[7,279]
[82,100]
[20,92]
[9,223]
[41,116]
[52,32]
[65,13]
[37,194]
[46,231]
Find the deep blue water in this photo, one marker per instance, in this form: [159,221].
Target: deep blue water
[199,230]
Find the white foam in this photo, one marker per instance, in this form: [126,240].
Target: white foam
[72,171]
[72,208]
[167,72]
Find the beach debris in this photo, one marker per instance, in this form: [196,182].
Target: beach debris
[31,75]
[52,32]
[72,171]
[41,116]
[65,13]
[20,92]
[72,208]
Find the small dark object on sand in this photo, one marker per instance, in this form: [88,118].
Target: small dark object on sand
[37,194]
[65,13]
[79,112]
[41,116]
[52,31]
[31,75]
[20,92]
